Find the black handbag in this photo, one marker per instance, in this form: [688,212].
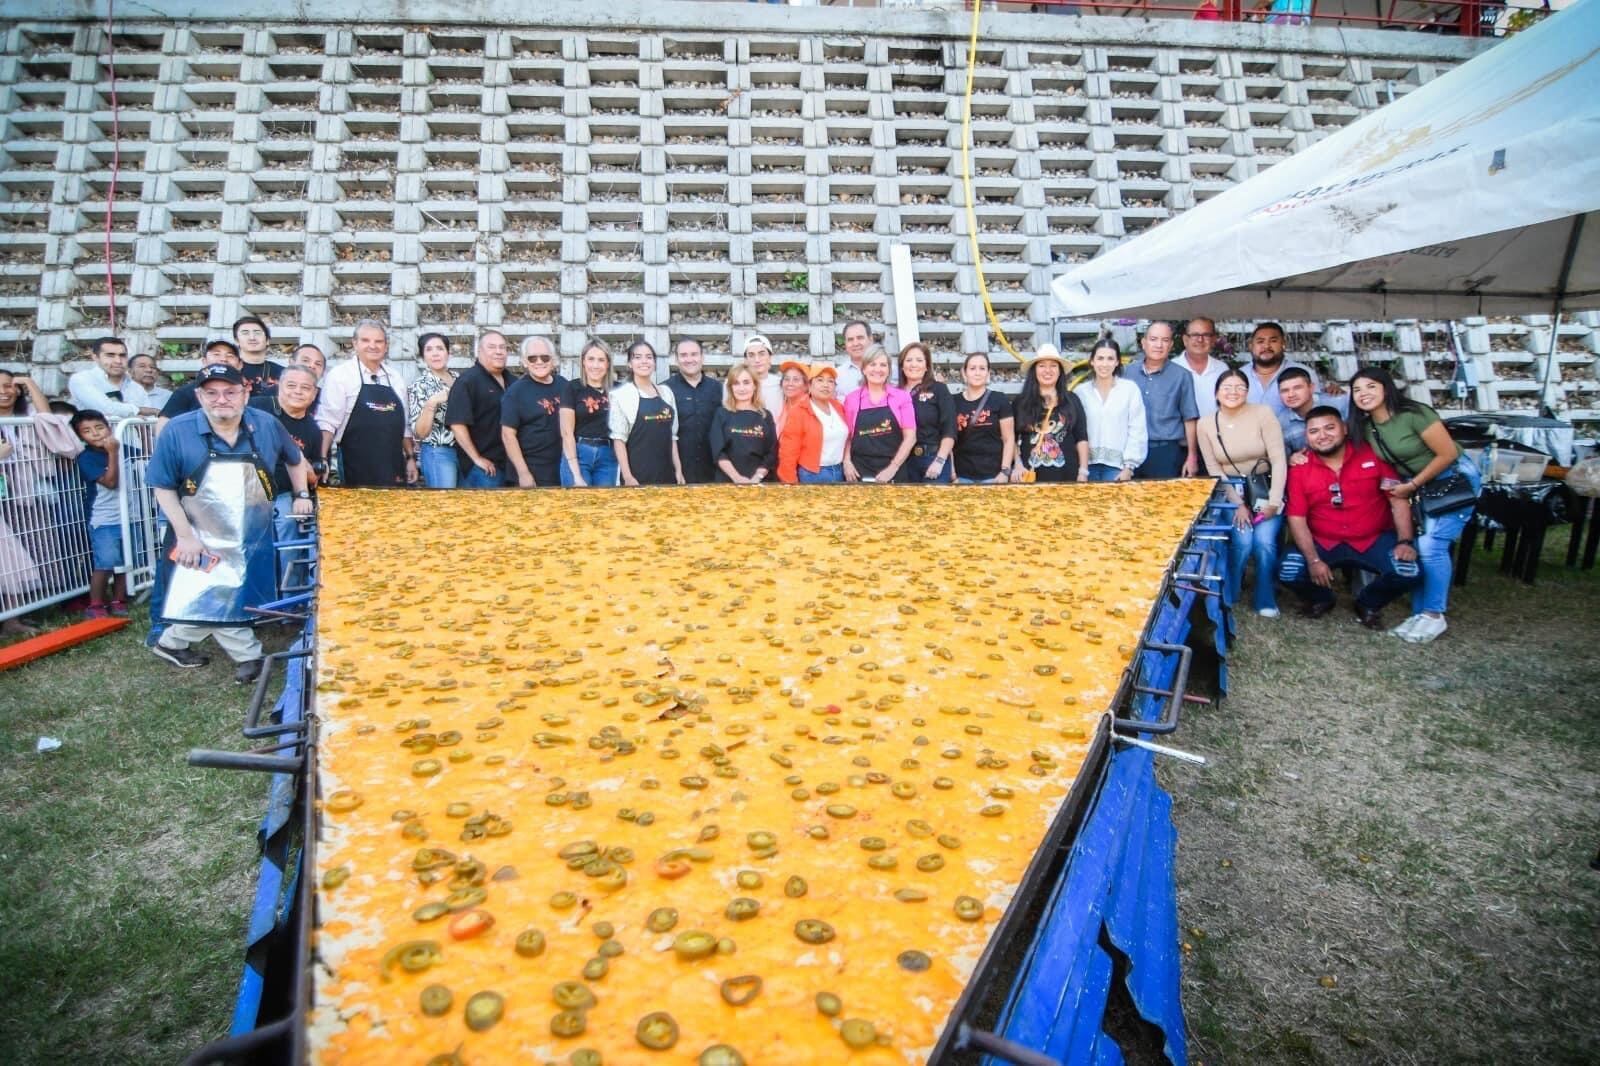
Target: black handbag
[1443,495]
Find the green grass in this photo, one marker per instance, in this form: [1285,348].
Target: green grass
[127,874]
[1388,859]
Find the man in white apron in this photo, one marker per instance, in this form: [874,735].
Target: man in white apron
[212,475]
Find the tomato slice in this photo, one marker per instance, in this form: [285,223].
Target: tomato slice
[469,924]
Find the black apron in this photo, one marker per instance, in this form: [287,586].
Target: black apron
[371,446]
[650,443]
[876,438]
[228,502]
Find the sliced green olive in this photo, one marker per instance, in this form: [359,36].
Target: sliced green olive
[795,887]
[595,968]
[656,1031]
[569,1023]
[435,1000]
[818,832]
[579,849]
[708,833]
[737,991]
[873,843]
[946,840]
[483,1010]
[858,1033]
[335,877]
[918,828]
[883,862]
[1001,792]
[662,919]
[530,943]
[726,946]
[930,863]
[419,956]
[693,781]
[694,944]
[721,1055]
[813,931]
[829,1004]
[457,810]
[611,949]
[563,901]
[968,909]
[426,767]
[430,912]
[943,784]
[992,810]
[749,879]
[604,930]
[910,895]
[761,840]
[840,810]
[913,961]
[903,790]
[465,898]
[645,818]
[586,1056]
[572,995]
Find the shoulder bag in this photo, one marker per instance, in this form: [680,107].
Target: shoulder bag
[1257,485]
[1446,493]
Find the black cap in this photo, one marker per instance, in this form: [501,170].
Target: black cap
[219,372]
[225,342]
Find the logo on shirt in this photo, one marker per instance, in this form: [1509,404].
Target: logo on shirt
[984,417]
[550,405]
[594,404]
[748,431]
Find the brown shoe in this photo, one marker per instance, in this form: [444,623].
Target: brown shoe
[1316,609]
[1370,617]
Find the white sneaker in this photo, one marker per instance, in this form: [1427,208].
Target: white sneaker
[1427,628]
[1268,612]
[1403,630]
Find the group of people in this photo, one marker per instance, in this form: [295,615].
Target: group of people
[1340,472]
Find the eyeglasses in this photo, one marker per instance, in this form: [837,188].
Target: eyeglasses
[541,358]
[1202,336]
[1337,494]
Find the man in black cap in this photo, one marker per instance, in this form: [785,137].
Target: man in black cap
[212,476]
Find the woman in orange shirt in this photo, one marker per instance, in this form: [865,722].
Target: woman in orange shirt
[811,445]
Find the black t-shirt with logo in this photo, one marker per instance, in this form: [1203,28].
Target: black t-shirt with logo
[262,378]
[533,410]
[591,411]
[747,439]
[979,447]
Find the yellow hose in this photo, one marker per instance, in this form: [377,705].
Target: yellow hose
[966,181]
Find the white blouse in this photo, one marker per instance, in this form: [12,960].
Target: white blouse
[1118,434]
[833,434]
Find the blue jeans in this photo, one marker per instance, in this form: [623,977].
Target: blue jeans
[1102,472]
[824,475]
[105,545]
[597,463]
[1259,542]
[915,472]
[1163,460]
[439,466]
[1378,559]
[1433,549]
[504,474]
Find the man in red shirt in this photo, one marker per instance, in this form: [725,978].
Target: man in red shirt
[1340,512]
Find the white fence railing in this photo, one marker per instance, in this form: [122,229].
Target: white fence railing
[44,533]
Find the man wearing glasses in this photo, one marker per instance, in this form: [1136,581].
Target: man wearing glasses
[212,476]
[1199,337]
[1340,514]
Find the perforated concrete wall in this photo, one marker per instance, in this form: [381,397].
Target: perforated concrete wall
[657,169]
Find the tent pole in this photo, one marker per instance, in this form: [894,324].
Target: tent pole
[1552,373]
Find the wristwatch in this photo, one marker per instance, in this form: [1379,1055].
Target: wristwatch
[302,495]
[1408,541]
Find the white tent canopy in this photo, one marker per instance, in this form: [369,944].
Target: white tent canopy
[1475,194]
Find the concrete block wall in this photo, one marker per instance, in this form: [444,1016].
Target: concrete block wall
[661,170]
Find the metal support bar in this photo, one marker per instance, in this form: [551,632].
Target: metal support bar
[1168,722]
[252,719]
[1001,1048]
[235,1048]
[246,760]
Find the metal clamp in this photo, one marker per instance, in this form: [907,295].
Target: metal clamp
[1001,1048]
[1168,722]
[252,719]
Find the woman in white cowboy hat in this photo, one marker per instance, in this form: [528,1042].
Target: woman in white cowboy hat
[1052,432]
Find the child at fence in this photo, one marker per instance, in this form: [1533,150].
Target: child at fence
[100,469]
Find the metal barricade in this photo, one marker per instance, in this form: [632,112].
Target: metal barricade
[136,443]
[44,532]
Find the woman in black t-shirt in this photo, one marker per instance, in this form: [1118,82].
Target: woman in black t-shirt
[587,455]
[985,427]
[1052,431]
[744,437]
[936,418]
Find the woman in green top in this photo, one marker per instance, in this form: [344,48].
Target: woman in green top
[1410,437]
